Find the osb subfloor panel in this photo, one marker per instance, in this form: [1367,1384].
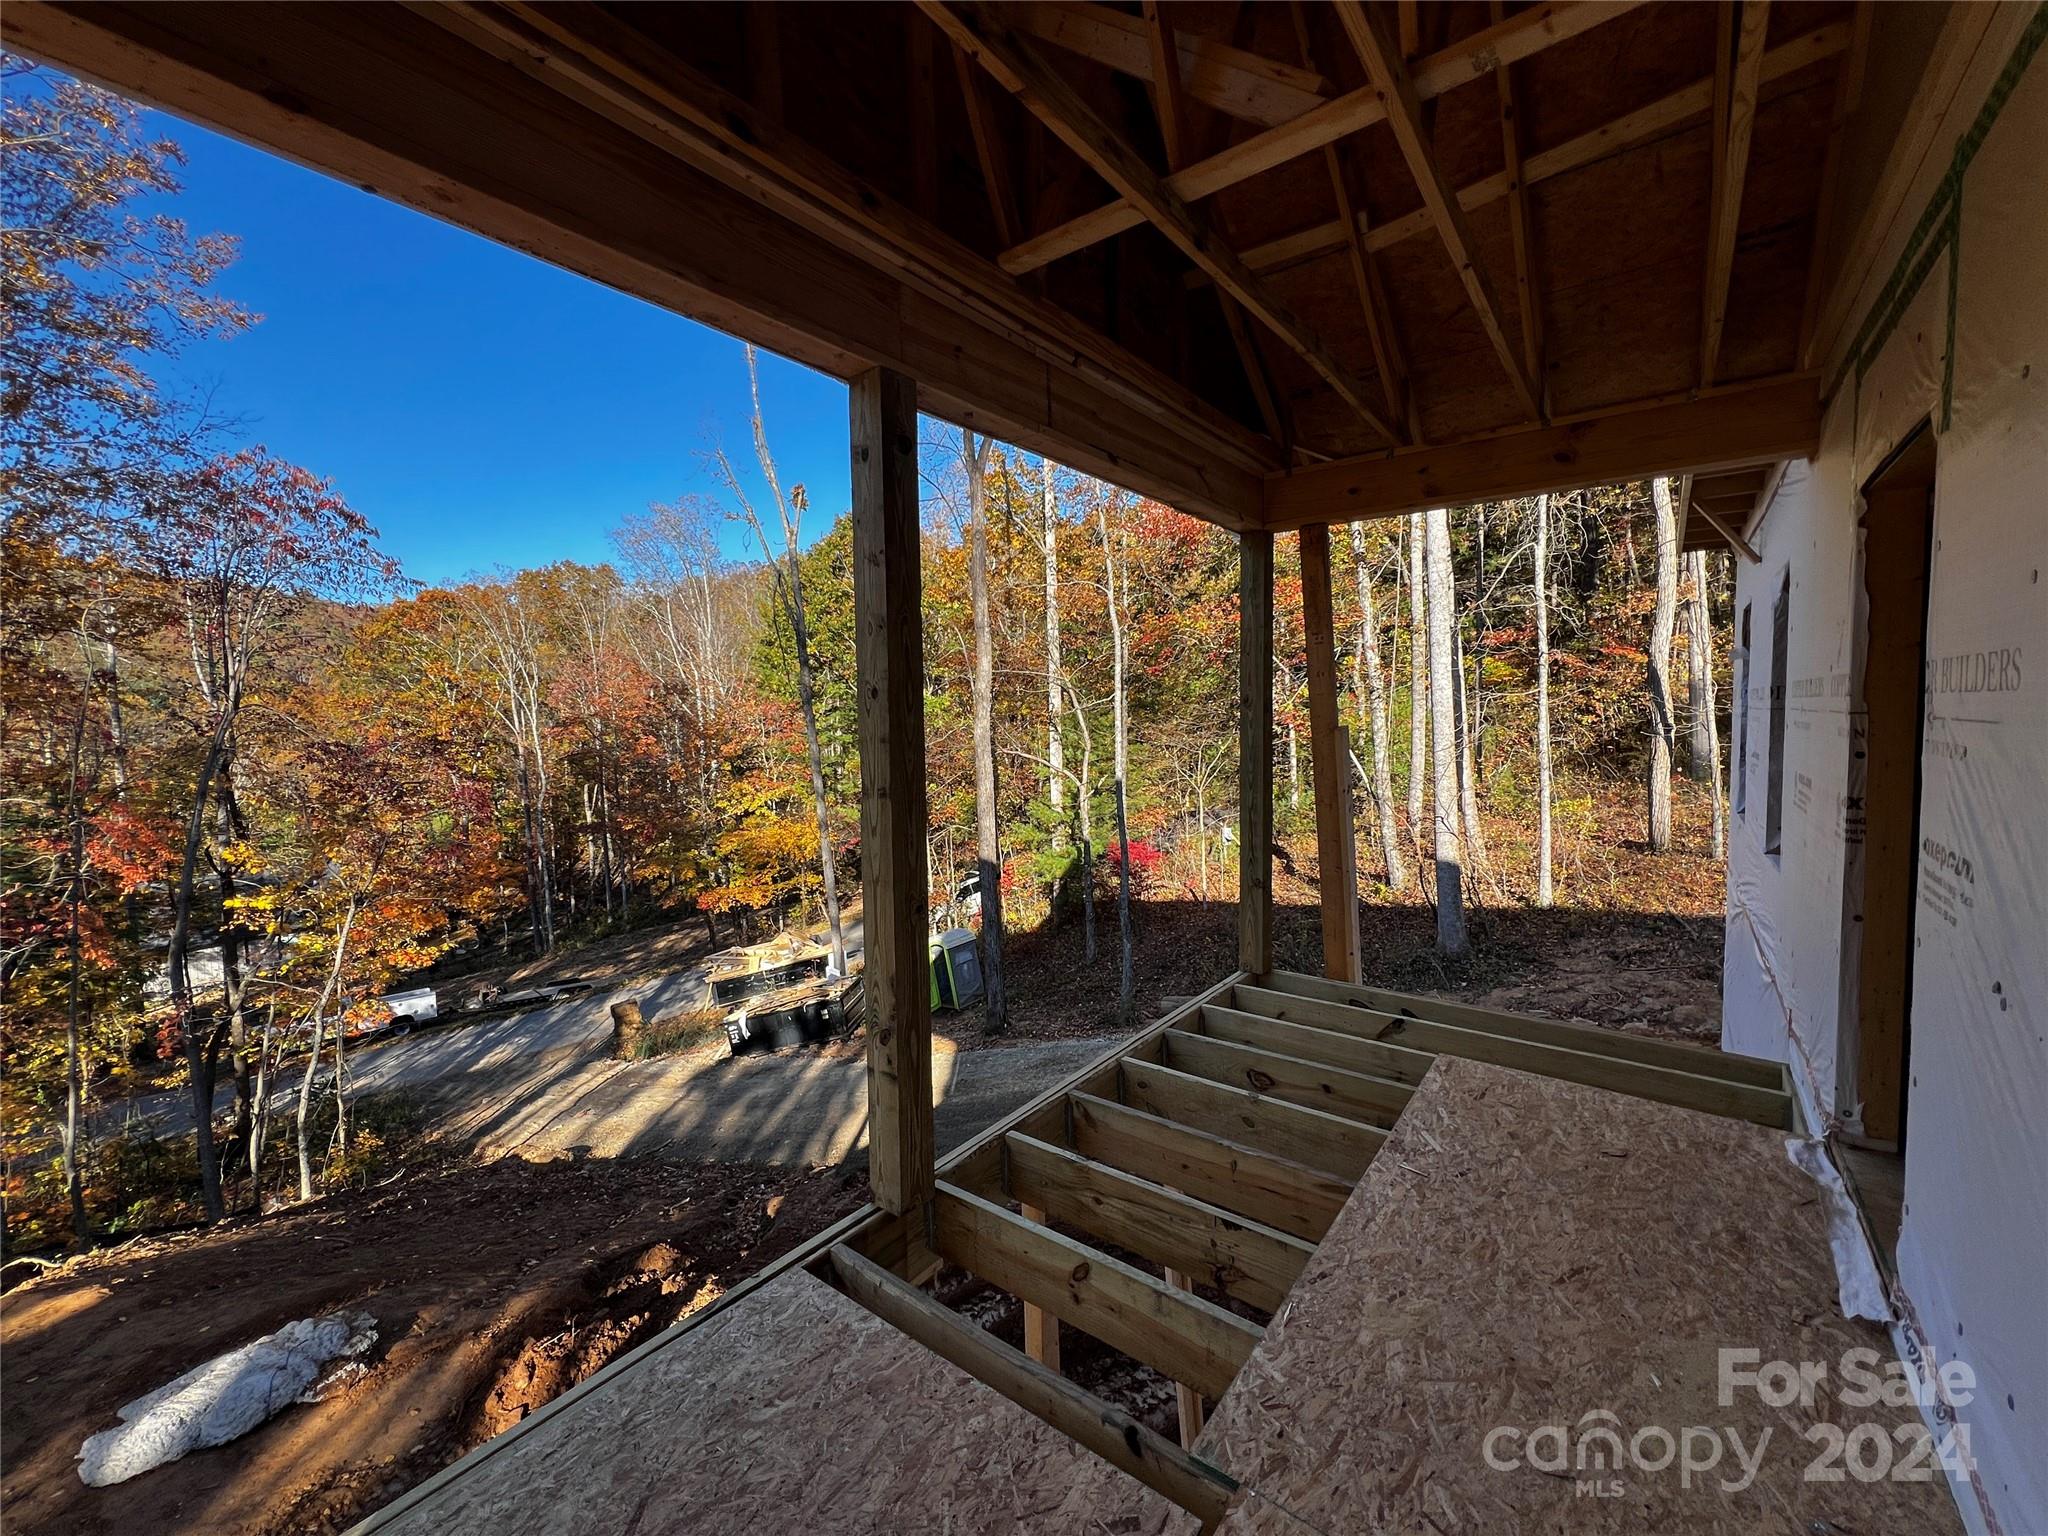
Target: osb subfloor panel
[793,1411]
[1525,1252]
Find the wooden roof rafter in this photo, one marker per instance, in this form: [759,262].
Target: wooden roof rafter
[1521,227]
[1403,108]
[1169,102]
[1644,124]
[1738,65]
[1520,36]
[984,31]
[1365,273]
[601,61]
[1233,80]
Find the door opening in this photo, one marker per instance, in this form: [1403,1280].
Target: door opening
[1898,521]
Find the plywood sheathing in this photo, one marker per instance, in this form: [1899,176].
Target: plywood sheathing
[800,1411]
[1524,1252]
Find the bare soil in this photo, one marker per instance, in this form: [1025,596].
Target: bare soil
[495,1289]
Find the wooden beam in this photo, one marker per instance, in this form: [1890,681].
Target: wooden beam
[1255,752]
[1337,870]
[1322,123]
[1266,1031]
[1291,1079]
[1187,1402]
[1182,1337]
[598,59]
[1638,127]
[1713,1095]
[988,147]
[1081,1416]
[1571,1034]
[1522,230]
[983,30]
[1735,123]
[1737,425]
[1335,1143]
[889,703]
[1234,81]
[1287,1195]
[1225,1251]
[1728,531]
[1404,115]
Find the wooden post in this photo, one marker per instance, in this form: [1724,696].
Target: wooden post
[1041,1328]
[1255,753]
[1329,752]
[889,661]
[1187,1402]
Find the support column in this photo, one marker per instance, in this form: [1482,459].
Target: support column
[1255,753]
[1336,854]
[894,881]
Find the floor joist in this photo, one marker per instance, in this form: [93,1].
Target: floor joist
[1227,1252]
[1715,1095]
[1292,1079]
[1288,1195]
[1266,1031]
[1178,1334]
[1104,1429]
[1572,1034]
[1321,1140]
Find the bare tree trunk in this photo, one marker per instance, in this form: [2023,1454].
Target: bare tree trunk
[988,851]
[74,1076]
[1126,994]
[1699,686]
[259,1131]
[1372,702]
[1293,767]
[789,587]
[327,992]
[1545,895]
[1084,816]
[198,1058]
[1442,606]
[1418,680]
[1705,706]
[1055,733]
[1663,728]
[1468,772]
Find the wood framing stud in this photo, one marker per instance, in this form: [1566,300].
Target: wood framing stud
[889,667]
[1403,107]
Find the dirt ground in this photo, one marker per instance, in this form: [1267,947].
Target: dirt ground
[495,1288]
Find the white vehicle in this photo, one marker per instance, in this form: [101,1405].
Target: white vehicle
[418,1005]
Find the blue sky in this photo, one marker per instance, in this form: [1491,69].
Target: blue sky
[482,408]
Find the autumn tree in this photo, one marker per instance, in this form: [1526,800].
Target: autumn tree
[1662,721]
[245,543]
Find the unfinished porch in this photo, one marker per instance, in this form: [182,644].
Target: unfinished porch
[1359,1232]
